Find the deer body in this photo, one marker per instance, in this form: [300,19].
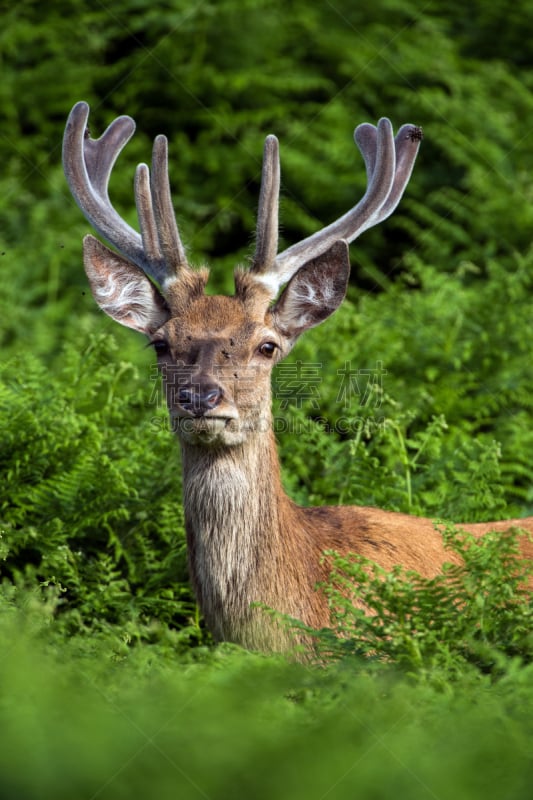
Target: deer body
[248,542]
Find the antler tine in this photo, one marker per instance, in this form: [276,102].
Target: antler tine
[146,217]
[160,236]
[406,145]
[389,163]
[267,216]
[158,251]
[169,237]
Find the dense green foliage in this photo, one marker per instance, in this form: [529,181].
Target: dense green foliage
[415,396]
[89,509]
[475,614]
[115,722]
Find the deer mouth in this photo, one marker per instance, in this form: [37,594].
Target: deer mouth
[208,430]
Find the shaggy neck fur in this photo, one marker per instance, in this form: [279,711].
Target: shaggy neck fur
[235,529]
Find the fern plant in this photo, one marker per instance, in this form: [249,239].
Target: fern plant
[88,500]
[476,615]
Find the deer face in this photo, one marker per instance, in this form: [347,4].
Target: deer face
[215,363]
[216,354]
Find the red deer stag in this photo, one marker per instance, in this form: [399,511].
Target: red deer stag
[248,542]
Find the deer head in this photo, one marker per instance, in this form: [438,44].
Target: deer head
[216,353]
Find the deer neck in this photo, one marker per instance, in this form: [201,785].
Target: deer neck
[235,513]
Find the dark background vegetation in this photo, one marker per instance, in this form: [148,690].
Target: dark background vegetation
[100,635]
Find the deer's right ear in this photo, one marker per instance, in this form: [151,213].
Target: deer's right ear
[122,290]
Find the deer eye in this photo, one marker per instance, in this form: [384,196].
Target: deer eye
[160,346]
[268,349]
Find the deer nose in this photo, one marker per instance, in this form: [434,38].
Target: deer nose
[199,399]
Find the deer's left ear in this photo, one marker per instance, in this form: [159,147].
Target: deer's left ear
[314,292]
